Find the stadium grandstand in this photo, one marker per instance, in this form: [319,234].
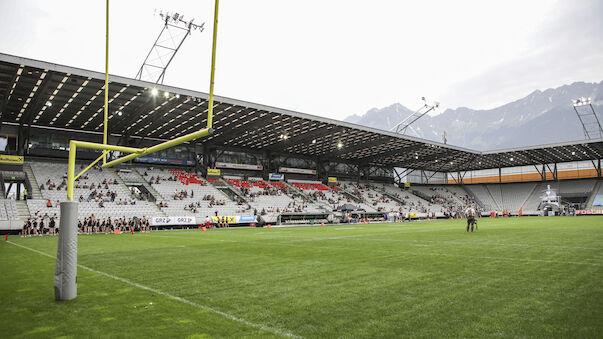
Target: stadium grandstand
[262,165]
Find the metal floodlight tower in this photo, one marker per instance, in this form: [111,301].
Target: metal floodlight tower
[175,30]
[403,125]
[588,118]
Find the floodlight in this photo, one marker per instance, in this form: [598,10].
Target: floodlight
[154,91]
[314,141]
[573,153]
[511,159]
[48,103]
[166,94]
[177,96]
[339,145]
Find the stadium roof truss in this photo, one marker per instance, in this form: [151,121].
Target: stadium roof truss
[47,95]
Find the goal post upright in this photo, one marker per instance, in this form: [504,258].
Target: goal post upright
[106,110]
[65,280]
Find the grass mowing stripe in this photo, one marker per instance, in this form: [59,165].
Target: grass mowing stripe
[408,252]
[173,297]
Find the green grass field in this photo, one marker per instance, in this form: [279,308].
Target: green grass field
[520,277]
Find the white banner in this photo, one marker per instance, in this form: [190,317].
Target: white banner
[296,170]
[589,212]
[239,166]
[171,221]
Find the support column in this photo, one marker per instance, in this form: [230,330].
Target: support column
[65,274]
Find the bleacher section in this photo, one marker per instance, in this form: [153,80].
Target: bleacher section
[274,197]
[453,199]
[596,195]
[8,210]
[52,177]
[187,194]
[184,193]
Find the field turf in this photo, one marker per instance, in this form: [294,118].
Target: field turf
[518,277]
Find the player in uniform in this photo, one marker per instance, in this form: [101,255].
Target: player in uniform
[470,214]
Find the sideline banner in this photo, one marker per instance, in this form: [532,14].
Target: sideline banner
[589,212]
[11,159]
[246,218]
[172,221]
[239,219]
[230,220]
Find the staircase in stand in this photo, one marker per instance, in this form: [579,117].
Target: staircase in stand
[593,195]
[22,209]
[144,183]
[33,183]
[148,186]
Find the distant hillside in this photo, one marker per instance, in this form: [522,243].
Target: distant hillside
[541,117]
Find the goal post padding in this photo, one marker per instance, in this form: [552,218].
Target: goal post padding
[65,274]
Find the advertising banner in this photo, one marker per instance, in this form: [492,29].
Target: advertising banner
[332,180]
[165,161]
[276,176]
[11,159]
[213,171]
[230,220]
[598,200]
[172,221]
[246,218]
[239,219]
[239,166]
[589,212]
[296,170]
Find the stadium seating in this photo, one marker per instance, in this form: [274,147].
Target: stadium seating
[184,193]
[199,194]
[8,210]
[484,198]
[52,176]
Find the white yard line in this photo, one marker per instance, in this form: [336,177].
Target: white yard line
[173,297]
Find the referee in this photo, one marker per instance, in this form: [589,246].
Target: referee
[470,214]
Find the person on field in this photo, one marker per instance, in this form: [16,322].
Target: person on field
[470,214]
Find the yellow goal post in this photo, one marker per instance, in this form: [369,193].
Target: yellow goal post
[65,279]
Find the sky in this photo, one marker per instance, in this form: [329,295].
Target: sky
[331,58]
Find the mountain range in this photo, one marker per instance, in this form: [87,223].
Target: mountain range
[542,117]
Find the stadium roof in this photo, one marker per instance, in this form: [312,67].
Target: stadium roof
[50,95]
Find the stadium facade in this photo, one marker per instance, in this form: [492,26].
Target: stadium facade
[309,165]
